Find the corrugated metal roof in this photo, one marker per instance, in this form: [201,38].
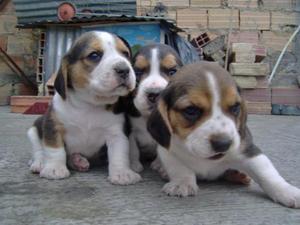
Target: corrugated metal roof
[30,11]
[84,19]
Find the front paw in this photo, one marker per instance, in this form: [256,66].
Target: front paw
[137,166]
[157,166]
[36,165]
[288,196]
[124,177]
[54,171]
[182,188]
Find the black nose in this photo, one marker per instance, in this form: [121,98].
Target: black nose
[152,97]
[220,143]
[122,71]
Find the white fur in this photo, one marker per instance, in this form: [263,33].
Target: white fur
[88,125]
[153,80]
[186,160]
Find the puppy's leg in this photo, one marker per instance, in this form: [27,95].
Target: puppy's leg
[36,163]
[235,176]
[261,169]
[77,162]
[134,155]
[158,166]
[119,171]
[182,179]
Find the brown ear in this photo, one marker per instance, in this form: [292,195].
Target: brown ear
[158,125]
[243,119]
[61,81]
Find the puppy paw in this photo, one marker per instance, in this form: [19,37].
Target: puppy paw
[124,177]
[137,166]
[157,166]
[288,196]
[237,177]
[78,162]
[181,188]
[36,166]
[54,171]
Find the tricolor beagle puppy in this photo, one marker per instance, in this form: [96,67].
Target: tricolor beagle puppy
[154,65]
[200,124]
[84,115]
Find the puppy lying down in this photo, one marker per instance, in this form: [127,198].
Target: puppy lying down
[200,125]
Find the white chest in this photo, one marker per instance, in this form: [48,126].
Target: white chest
[86,128]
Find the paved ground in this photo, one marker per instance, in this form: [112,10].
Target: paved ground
[87,198]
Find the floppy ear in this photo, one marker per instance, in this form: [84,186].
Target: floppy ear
[126,44]
[61,80]
[158,125]
[243,119]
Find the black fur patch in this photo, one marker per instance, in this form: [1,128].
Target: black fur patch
[158,129]
[59,84]
[252,150]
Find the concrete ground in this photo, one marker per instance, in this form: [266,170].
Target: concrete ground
[87,198]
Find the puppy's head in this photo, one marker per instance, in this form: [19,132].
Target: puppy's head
[97,69]
[153,65]
[201,108]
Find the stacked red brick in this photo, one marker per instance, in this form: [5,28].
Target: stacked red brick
[250,74]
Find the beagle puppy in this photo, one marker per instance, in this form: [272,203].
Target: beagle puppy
[84,115]
[200,125]
[153,65]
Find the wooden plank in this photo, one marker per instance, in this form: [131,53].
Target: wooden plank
[245,82]
[261,108]
[257,95]
[249,69]
[286,96]
[28,100]
[240,57]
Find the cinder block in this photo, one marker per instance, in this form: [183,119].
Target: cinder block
[7,24]
[254,20]
[281,19]
[242,47]
[174,3]
[241,57]
[249,69]
[262,108]
[278,4]
[276,40]
[192,18]
[245,82]
[206,3]
[20,44]
[244,36]
[243,3]
[222,18]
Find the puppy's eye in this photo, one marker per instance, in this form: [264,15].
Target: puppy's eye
[138,72]
[235,109]
[95,56]
[172,71]
[126,54]
[192,113]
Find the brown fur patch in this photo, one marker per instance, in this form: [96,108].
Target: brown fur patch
[141,62]
[169,61]
[121,47]
[200,98]
[53,130]
[80,74]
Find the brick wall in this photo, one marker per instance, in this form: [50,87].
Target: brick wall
[21,45]
[273,20]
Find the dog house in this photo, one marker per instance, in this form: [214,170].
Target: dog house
[60,23]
